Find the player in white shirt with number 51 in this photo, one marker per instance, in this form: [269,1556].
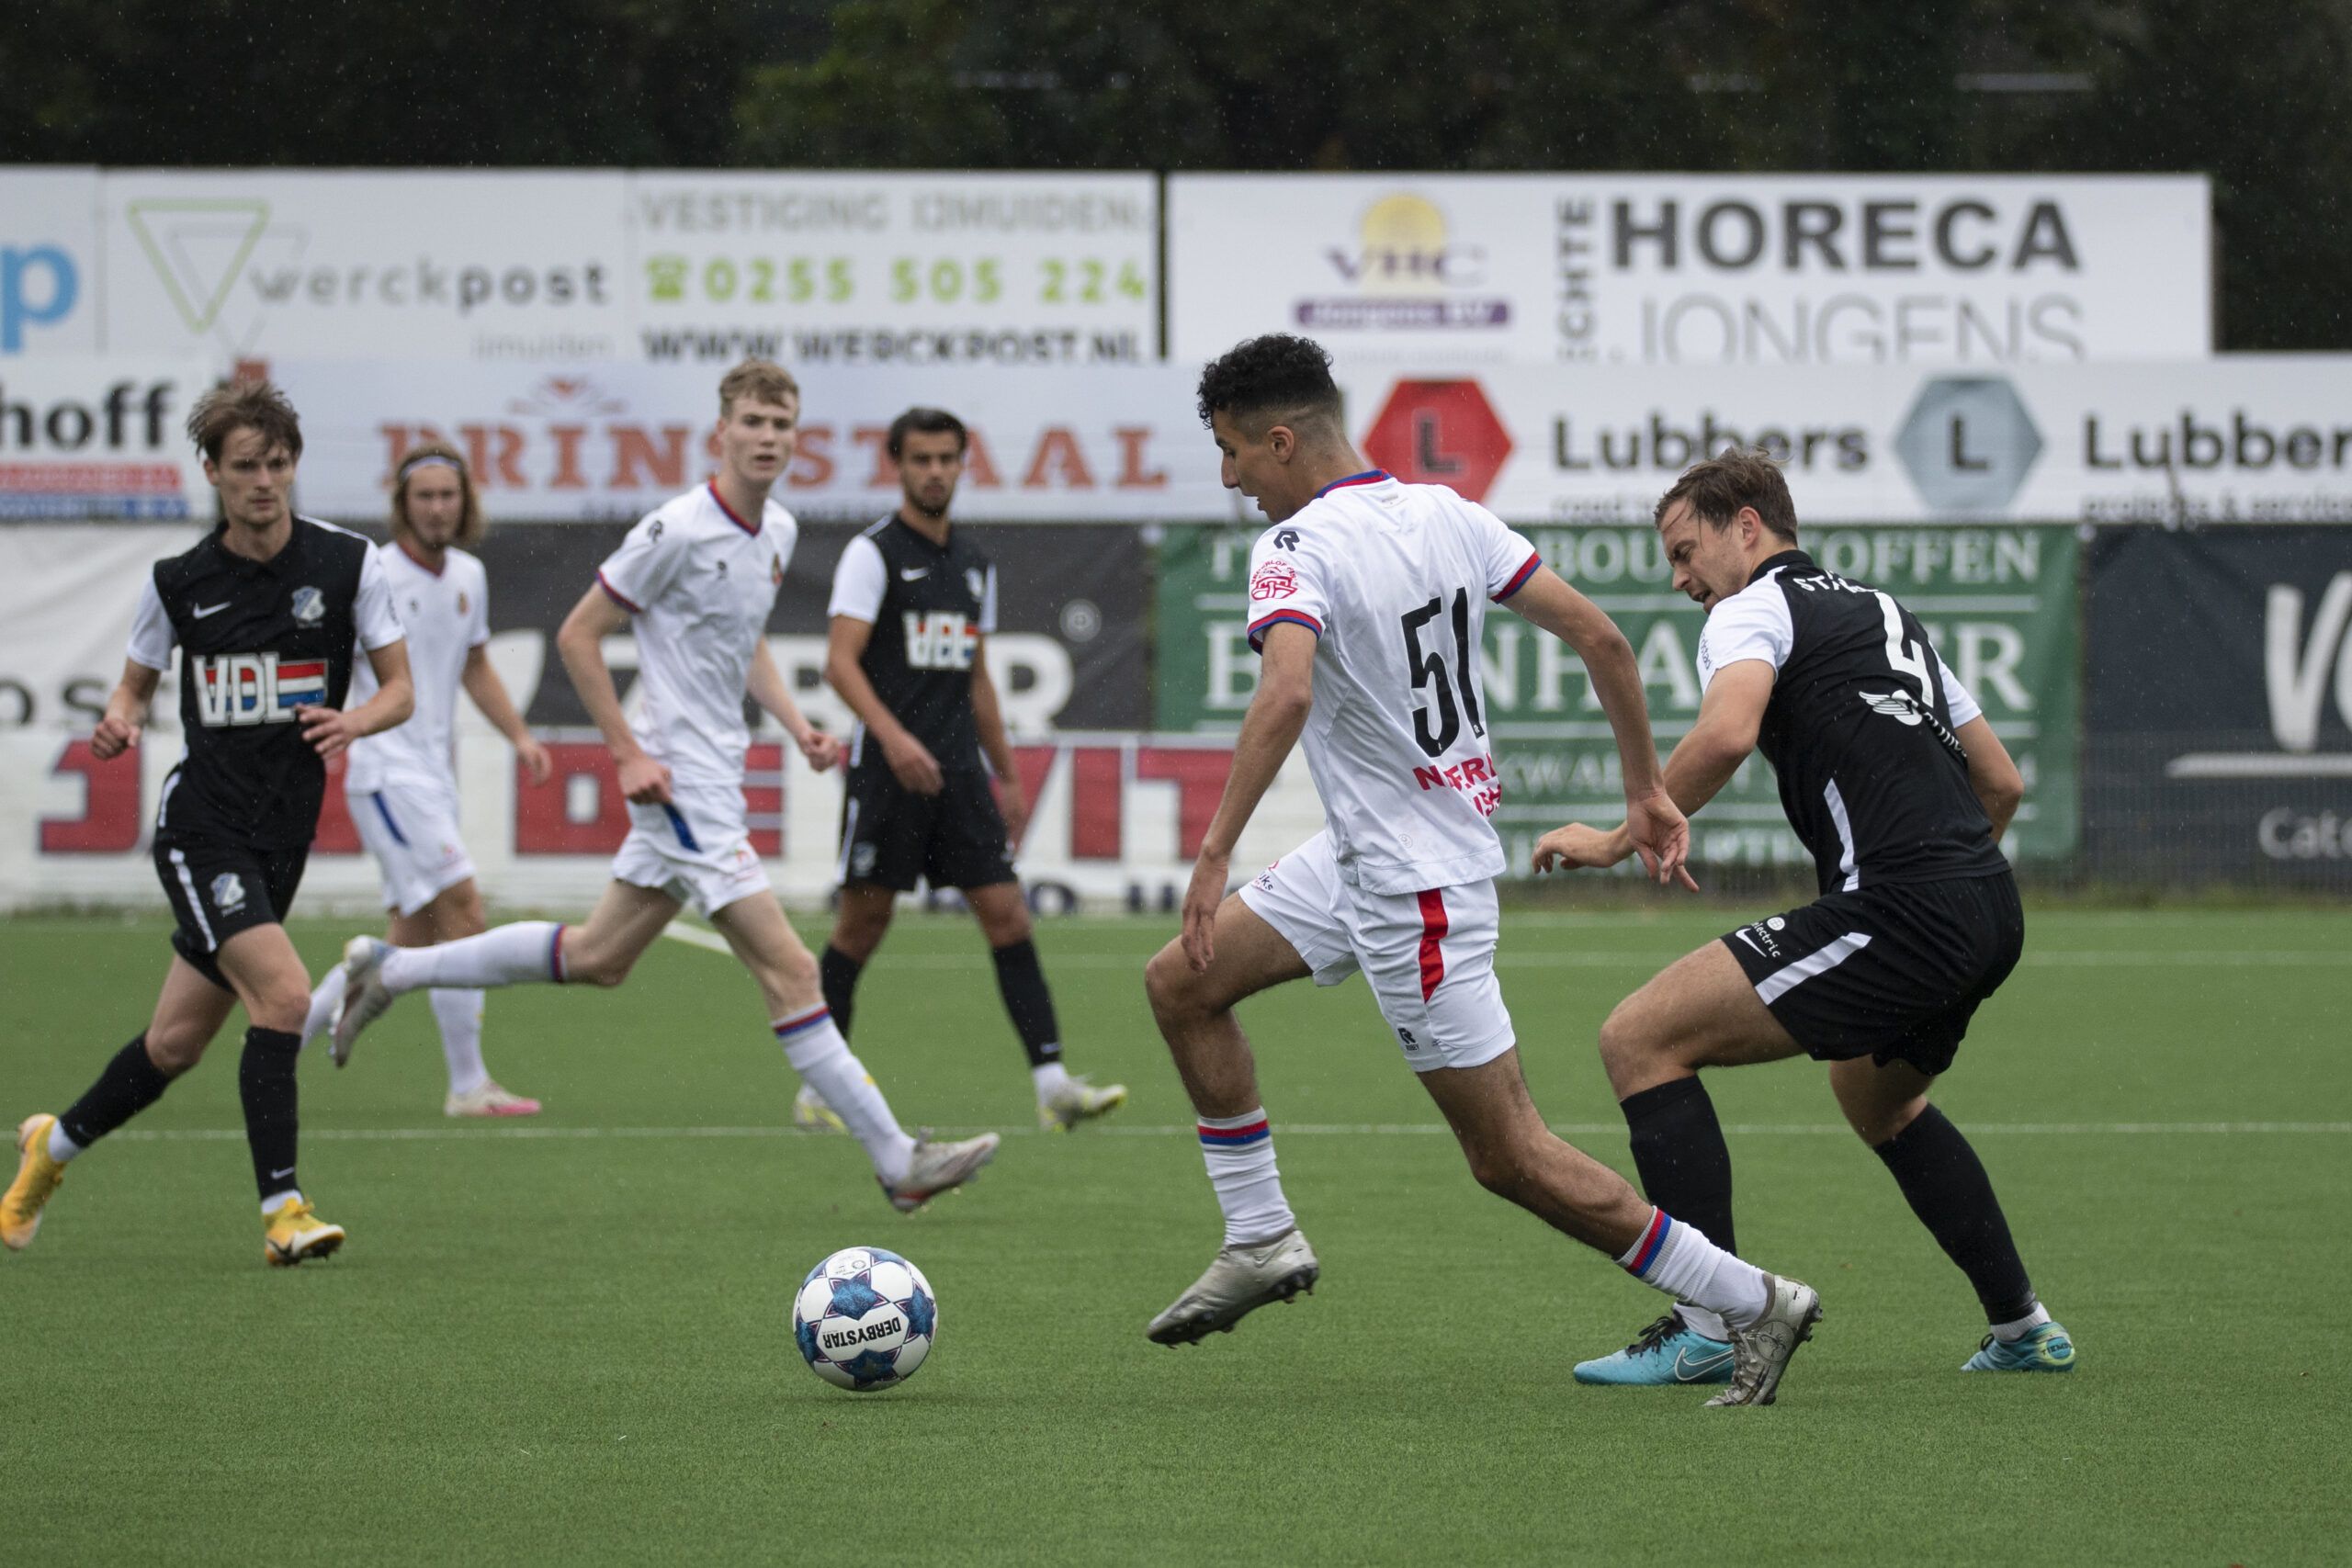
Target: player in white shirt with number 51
[401,785]
[1367,601]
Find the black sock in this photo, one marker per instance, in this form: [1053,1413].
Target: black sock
[1679,1150]
[1022,979]
[131,1083]
[837,972]
[1947,1189]
[265,1083]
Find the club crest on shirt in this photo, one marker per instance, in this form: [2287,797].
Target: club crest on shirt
[462,605]
[1277,578]
[310,606]
[228,893]
[775,571]
[861,859]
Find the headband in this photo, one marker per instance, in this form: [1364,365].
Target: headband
[427,460]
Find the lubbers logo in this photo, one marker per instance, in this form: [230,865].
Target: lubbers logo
[1442,432]
[1405,270]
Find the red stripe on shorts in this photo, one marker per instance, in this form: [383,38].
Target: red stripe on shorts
[1433,928]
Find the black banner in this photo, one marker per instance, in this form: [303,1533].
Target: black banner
[2217,703]
[1085,588]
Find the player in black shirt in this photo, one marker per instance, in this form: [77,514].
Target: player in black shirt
[914,602]
[264,613]
[1895,781]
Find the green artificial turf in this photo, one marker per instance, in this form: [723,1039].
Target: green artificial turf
[568,1339]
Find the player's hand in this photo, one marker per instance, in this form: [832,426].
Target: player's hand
[1013,801]
[912,764]
[328,730]
[113,737]
[538,766]
[1202,900]
[1578,848]
[821,751]
[1656,828]
[645,781]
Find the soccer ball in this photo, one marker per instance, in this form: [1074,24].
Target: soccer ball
[865,1319]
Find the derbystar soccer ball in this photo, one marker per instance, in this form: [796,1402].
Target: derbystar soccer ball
[865,1319]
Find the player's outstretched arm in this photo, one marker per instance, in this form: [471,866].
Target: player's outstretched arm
[774,692]
[488,693]
[580,642]
[1654,828]
[1724,733]
[1998,786]
[126,712]
[330,730]
[1277,714]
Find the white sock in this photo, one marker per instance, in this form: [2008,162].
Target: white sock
[2007,1333]
[60,1147]
[822,1058]
[323,1001]
[1240,1154]
[459,1012]
[1051,1078]
[1700,1321]
[277,1200]
[522,954]
[1681,1260]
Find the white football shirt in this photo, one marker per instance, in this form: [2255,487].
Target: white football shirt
[1395,580]
[700,581]
[447,616]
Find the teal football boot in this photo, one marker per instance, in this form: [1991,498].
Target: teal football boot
[2048,1348]
[1668,1352]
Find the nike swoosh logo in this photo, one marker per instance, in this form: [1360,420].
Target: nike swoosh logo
[276,1174]
[201,611]
[909,573]
[1687,1370]
[1750,941]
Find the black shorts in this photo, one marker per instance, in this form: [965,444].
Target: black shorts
[1891,973]
[218,887]
[891,835]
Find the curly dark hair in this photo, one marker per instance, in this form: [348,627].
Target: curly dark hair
[1276,374]
[925,422]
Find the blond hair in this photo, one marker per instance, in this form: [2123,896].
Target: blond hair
[761,380]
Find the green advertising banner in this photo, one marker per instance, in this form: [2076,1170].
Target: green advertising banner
[1999,601]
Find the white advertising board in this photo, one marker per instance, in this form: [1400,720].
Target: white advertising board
[916,270]
[85,436]
[49,255]
[1695,269]
[2241,438]
[1098,443]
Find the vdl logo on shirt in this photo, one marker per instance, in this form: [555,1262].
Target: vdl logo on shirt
[235,689]
[940,640]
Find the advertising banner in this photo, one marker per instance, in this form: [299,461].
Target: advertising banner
[1118,812]
[1997,602]
[49,255]
[254,264]
[616,440]
[1696,269]
[2245,438]
[921,271]
[2219,694]
[86,437]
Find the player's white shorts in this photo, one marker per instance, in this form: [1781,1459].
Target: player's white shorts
[1429,956]
[696,851]
[412,833]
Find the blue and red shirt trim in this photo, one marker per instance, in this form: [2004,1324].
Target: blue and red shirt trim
[1518,579]
[1369,477]
[1296,617]
[617,596]
[720,500]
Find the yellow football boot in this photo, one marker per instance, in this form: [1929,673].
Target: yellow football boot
[295,1234]
[36,1177]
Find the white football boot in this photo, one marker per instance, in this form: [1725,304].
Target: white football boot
[1240,1281]
[364,997]
[1761,1352]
